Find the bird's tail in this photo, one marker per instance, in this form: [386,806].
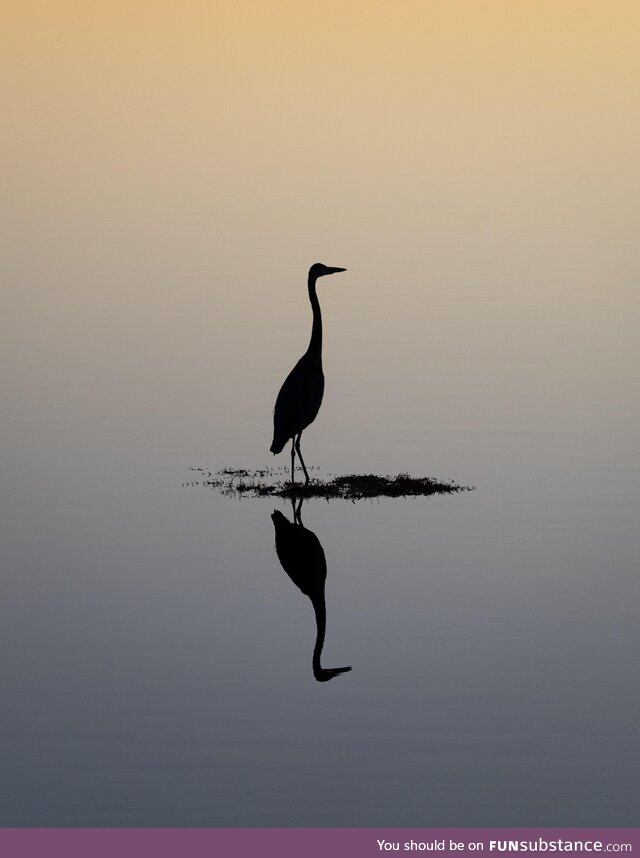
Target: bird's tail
[277,445]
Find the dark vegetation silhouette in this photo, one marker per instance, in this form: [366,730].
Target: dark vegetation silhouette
[270,482]
[302,558]
[300,396]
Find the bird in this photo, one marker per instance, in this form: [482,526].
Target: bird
[302,558]
[300,397]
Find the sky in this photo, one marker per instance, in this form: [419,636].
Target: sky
[216,108]
[172,169]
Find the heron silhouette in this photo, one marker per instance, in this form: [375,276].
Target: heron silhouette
[300,396]
[302,558]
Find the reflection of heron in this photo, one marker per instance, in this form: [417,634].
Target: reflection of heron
[300,396]
[302,558]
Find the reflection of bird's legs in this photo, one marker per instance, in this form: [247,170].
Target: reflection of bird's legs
[296,511]
[293,453]
[306,475]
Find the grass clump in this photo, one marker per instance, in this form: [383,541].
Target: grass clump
[271,482]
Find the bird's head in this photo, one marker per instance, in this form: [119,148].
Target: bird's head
[320,270]
[324,674]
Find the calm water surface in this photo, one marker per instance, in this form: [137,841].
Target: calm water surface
[158,660]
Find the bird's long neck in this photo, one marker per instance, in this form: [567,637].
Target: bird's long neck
[321,626]
[315,343]
[322,674]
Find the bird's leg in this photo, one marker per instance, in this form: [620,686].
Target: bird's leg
[293,453]
[306,475]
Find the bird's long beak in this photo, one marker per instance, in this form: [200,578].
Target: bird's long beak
[335,270]
[324,674]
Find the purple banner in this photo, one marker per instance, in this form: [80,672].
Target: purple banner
[312,842]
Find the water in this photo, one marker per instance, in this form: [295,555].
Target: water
[156,658]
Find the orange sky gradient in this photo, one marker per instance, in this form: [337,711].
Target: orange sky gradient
[170,170]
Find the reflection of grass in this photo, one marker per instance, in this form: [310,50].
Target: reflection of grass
[273,483]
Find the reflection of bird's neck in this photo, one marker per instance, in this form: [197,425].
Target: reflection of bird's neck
[320,609]
[315,344]
[322,674]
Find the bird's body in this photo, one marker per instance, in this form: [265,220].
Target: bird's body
[299,400]
[300,396]
[302,558]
